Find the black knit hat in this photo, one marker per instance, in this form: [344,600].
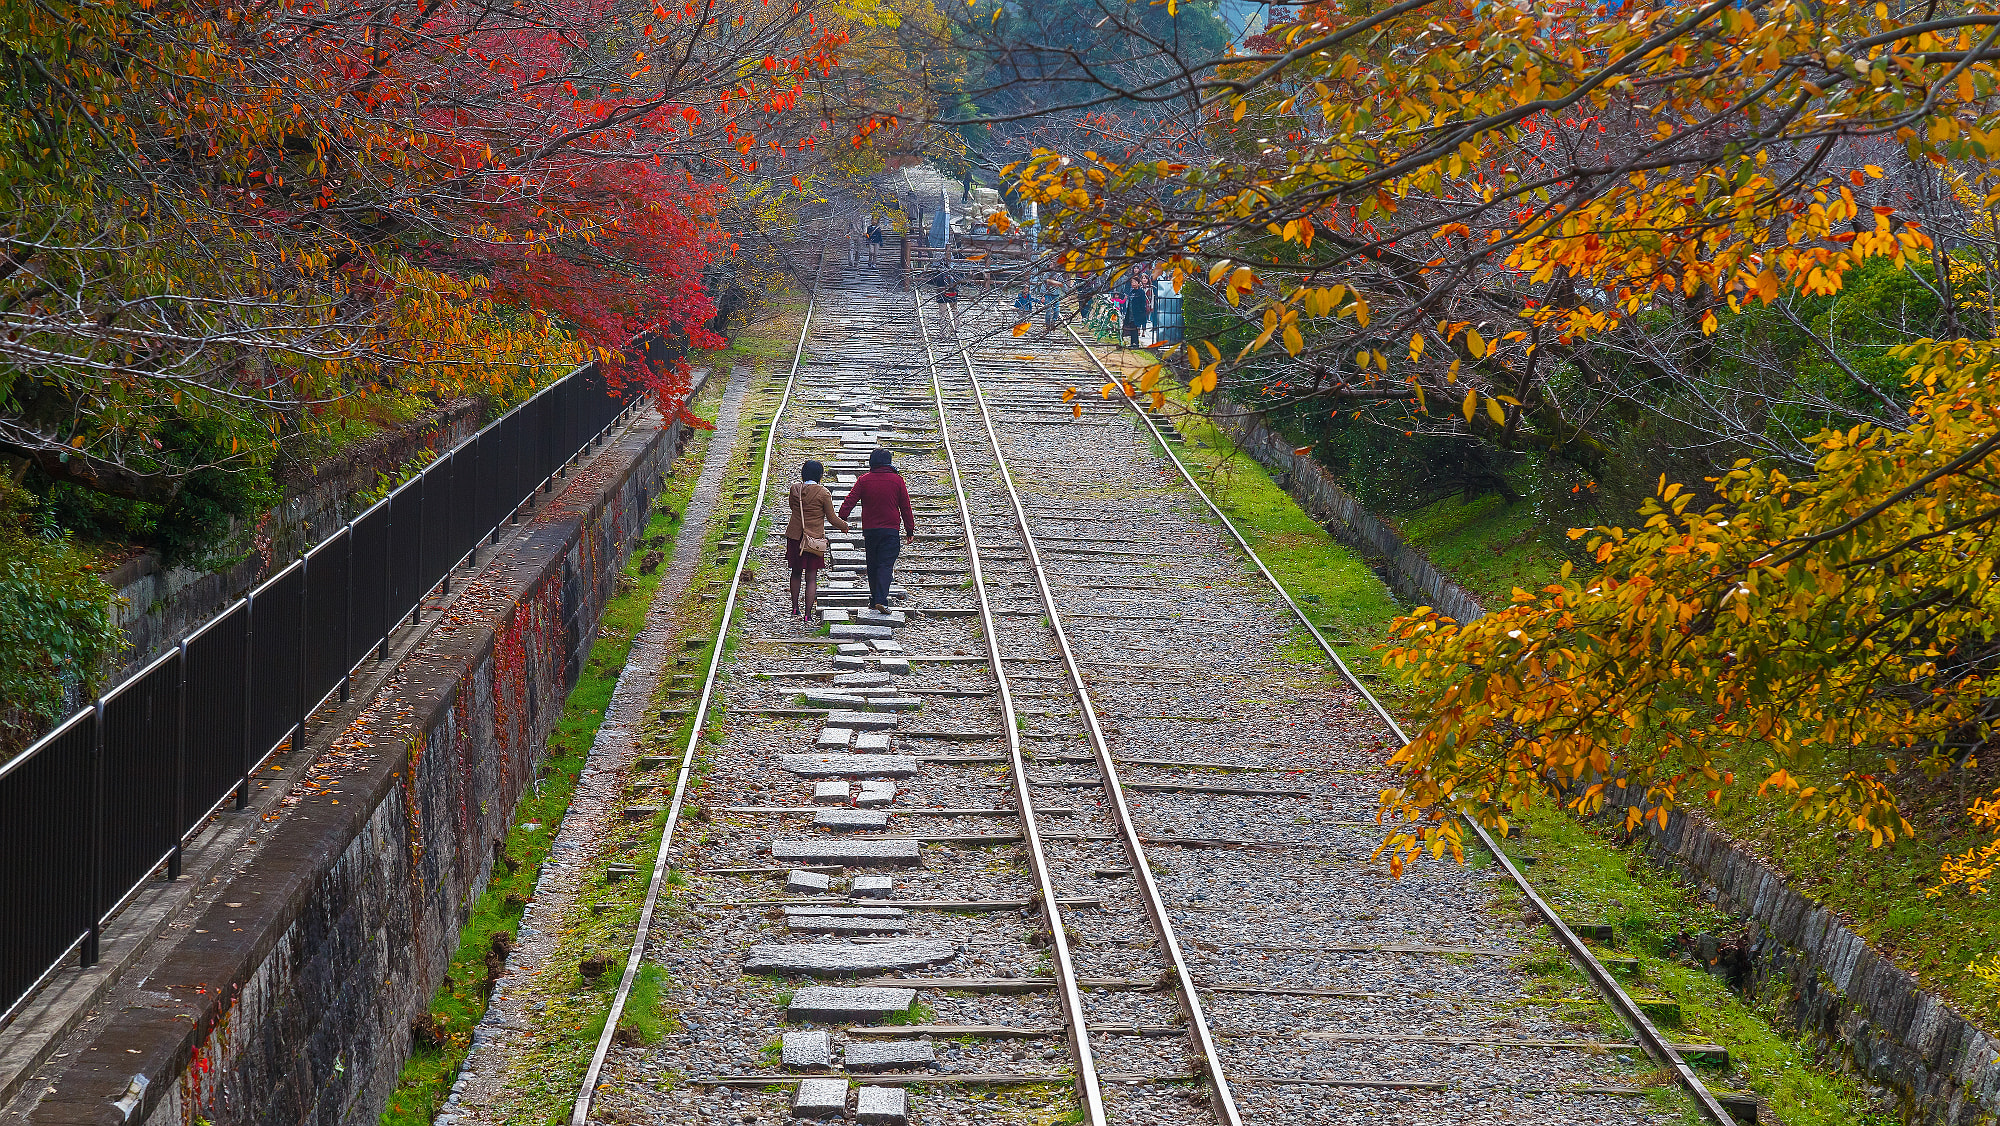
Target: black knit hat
[878,458]
[811,471]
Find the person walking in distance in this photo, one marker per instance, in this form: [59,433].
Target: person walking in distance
[885,505]
[875,239]
[805,535]
[1135,309]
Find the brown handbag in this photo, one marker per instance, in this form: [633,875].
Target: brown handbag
[809,544]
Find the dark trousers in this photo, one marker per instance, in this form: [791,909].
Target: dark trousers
[883,546]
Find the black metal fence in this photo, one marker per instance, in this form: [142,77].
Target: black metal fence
[93,809]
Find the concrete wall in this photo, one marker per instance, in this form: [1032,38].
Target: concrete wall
[1943,1069]
[1408,572]
[164,604]
[295,1005]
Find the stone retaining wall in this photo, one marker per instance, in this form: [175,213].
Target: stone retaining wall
[289,998]
[1944,1070]
[161,604]
[1410,574]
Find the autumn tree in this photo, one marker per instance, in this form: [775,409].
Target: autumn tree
[1811,636]
[1516,224]
[245,218]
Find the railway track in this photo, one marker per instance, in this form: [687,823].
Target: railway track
[1070,837]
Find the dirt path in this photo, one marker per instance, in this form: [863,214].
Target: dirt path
[477,1096]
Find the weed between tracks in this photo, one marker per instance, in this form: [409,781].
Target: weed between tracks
[543,1078]
[571,994]
[1589,877]
[443,1036]
[1586,873]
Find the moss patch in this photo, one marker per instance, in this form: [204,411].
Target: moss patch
[444,1036]
[1346,601]
[1585,873]
[548,1062]
[1486,544]
[1591,878]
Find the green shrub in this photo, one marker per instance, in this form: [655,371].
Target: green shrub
[57,626]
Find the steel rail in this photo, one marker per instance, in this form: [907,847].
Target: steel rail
[1656,1046]
[580,1112]
[1204,1040]
[1091,1092]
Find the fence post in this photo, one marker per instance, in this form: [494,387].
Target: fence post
[388,580]
[180,765]
[88,955]
[347,619]
[305,644]
[249,690]
[423,513]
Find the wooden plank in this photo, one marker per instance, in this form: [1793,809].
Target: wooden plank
[892,1079]
[918,904]
[980,1031]
[1010,984]
[1196,788]
[1012,1031]
[1282,991]
[924,811]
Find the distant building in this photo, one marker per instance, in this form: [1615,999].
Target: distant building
[1243,18]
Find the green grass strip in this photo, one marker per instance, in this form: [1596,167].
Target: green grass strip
[444,1038]
[1590,878]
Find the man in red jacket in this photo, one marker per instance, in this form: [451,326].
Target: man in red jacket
[885,503]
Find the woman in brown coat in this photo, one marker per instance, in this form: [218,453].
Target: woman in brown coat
[812,507]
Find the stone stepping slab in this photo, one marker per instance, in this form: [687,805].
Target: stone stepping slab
[821,1098]
[862,680]
[891,1054]
[844,924]
[835,1003]
[846,631]
[845,960]
[882,1106]
[810,1050]
[851,819]
[796,880]
[895,665]
[849,766]
[889,700]
[841,766]
[841,700]
[860,721]
[848,853]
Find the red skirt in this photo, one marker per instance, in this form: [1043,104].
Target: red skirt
[801,561]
